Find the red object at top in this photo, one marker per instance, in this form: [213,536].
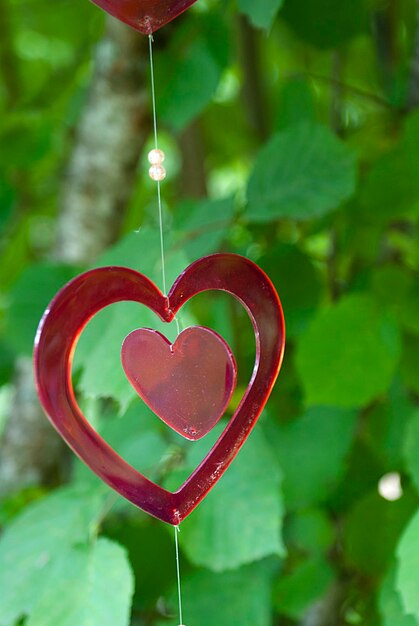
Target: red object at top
[146,16]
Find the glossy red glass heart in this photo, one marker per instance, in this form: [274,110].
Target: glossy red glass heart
[188,384]
[87,294]
[146,16]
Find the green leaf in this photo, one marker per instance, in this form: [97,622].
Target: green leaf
[189,86]
[325,23]
[362,474]
[140,251]
[214,25]
[241,518]
[90,585]
[296,103]
[298,283]
[385,428]
[200,227]
[372,529]
[35,539]
[135,436]
[390,604]
[261,13]
[310,474]
[217,310]
[7,362]
[408,567]
[397,289]
[303,173]
[411,447]
[241,596]
[295,592]
[343,342]
[391,188]
[410,362]
[25,139]
[150,548]
[7,202]
[310,531]
[30,296]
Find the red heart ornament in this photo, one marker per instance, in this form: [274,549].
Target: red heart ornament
[188,384]
[146,16]
[87,294]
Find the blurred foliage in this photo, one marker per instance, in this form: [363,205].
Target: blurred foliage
[311,150]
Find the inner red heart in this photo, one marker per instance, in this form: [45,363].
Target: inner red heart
[188,384]
[145,15]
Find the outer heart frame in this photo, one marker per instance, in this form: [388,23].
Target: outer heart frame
[86,295]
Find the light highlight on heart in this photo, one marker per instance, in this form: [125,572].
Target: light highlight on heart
[188,384]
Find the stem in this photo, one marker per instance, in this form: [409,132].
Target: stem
[372,97]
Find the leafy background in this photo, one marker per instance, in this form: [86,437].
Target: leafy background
[305,137]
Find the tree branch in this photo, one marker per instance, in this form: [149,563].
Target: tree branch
[372,97]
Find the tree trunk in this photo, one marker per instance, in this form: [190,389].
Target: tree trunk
[110,137]
[100,177]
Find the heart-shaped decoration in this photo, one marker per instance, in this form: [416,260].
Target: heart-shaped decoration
[146,16]
[188,384]
[87,294]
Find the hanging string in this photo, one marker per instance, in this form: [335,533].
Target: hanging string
[157,171]
[156,158]
[179,594]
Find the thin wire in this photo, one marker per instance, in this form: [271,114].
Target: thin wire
[153,91]
[179,594]
[153,97]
